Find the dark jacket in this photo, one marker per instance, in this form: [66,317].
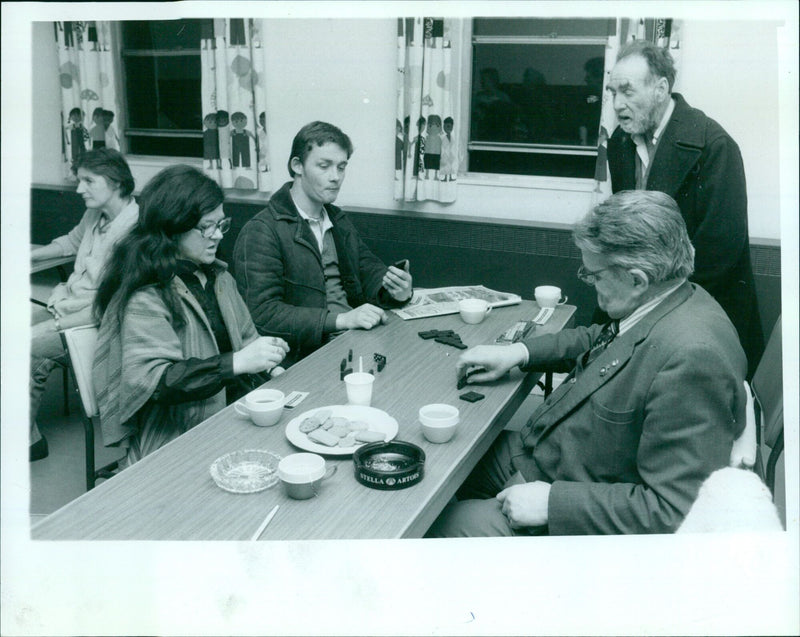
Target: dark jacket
[278,269]
[627,441]
[699,165]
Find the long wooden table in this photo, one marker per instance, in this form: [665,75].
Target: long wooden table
[169,495]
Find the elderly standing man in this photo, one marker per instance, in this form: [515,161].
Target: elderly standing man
[650,408]
[664,144]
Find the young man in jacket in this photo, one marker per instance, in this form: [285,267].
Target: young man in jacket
[300,264]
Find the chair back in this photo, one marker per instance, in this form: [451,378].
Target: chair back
[768,388]
[745,447]
[80,343]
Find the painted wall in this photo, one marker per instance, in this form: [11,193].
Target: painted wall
[340,70]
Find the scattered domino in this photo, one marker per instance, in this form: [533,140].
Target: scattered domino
[472,396]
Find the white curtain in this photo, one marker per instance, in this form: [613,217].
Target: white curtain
[235,143]
[426,145]
[666,33]
[89,101]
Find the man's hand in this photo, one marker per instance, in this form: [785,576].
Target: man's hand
[495,359]
[364,317]
[398,283]
[525,504]
[262,354]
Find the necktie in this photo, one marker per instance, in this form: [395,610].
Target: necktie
[608,333]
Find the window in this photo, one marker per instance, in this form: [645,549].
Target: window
[162,84]
[536,95]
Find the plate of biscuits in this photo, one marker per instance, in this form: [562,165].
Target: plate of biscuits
[338,430]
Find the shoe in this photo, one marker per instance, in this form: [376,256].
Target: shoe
[38,450]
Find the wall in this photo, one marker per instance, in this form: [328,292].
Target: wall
[346,77]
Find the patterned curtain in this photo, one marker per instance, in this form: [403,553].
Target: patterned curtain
[234,105]
[664,32]
[88,89]
[426,146]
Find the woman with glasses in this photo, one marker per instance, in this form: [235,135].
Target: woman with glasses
[175,335]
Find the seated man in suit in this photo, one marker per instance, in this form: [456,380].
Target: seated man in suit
[650,408]
[300,265]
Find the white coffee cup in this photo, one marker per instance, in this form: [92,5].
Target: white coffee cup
[359,388]
[263,406]
[548,296]
[302,473]
[473,310]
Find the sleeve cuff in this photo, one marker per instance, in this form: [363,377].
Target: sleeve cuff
[226,366]
[329,325]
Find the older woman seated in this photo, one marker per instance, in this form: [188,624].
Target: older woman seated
[106,185]
[175,334]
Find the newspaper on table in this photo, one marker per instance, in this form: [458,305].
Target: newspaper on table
[441,301]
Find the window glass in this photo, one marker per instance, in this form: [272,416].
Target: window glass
[536,95]
[162,83]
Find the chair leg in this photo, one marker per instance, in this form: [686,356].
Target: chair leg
[773,461]
[89,443]
[65,382]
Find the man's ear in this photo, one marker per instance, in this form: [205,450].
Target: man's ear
[662,88]
[640,280]
[297,166]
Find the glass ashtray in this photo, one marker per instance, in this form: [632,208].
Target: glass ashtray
[246,471]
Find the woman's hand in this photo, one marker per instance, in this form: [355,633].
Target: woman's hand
[262,354]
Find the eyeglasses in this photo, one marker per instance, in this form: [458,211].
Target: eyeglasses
[590,277]
[223,225]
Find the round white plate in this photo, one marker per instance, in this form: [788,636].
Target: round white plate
[377,420]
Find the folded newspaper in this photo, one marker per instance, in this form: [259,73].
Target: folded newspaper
[440,301]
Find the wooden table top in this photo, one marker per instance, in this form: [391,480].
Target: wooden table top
[46,264]
[170,495]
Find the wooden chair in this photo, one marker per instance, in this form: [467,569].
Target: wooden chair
[80,343]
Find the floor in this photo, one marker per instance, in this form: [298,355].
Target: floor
[59,478]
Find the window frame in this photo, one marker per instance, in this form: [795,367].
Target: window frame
[126,131]
[574,184]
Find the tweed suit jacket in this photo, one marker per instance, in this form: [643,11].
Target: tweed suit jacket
[627,441]
[699,165]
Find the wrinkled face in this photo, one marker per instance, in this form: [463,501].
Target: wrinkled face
[192,245]
[616,293]
[636,94]
[95,189]
[322,173]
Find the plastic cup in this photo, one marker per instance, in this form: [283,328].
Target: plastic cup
[359,388]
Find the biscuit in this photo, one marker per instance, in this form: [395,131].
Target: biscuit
[324,438]
[370,436]
[339,431]
[323,414]
[308,425]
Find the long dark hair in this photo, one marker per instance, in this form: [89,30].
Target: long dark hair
[172,202]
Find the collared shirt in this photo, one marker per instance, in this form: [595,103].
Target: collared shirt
[642,151]
[92,242]
[643,310]
[319,226]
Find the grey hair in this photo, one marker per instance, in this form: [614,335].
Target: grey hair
[658,59]
[640,229]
